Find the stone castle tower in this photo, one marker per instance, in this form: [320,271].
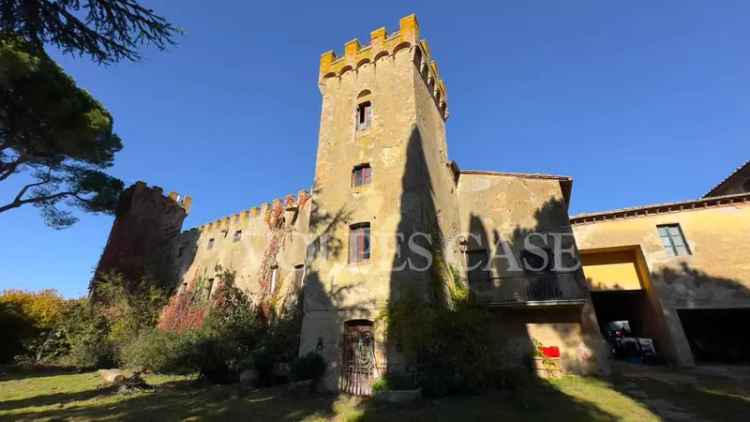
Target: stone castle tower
[382,175]
[146,223]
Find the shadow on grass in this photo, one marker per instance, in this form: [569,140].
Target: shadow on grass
[17,373]
[54,399]
[705,398]
[174,401]
[538,400]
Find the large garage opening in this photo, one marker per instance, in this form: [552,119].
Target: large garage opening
[629,318]
[627,323]
[717,335]
[616,308]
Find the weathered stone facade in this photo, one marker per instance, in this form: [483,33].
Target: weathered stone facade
[412,188]
[384,108]
[146,224]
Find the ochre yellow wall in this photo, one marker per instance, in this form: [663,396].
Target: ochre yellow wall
[715,275]
[611,271]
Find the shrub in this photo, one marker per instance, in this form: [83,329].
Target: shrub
[28,320]
[86,335]
[312,366]
[395,381]
[159,351]
[446,339]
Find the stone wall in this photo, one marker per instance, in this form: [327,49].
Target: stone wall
[146,223]
[253,244]
[507,208]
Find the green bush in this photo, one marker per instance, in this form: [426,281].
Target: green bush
[87,340]
[232,338]
[312,366]
[395,381]
[447,341]
[159,351]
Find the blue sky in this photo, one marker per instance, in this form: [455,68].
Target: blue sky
[640,102]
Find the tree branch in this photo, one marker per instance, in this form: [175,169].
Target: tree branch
[7,169]
[17,202]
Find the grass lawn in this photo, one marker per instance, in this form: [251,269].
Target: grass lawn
[65,396]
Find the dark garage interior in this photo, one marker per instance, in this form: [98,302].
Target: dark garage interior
[718,335]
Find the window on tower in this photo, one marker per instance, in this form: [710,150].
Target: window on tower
[361,175]
[359,242]
[364,115]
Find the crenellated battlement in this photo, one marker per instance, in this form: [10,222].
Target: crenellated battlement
[383,45]
[140,195]
[289,202]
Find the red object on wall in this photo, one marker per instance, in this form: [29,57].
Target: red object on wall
[550,352]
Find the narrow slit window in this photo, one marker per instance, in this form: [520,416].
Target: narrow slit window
[364,115]
[673,239]
[359,242]
[209,287]
[361,175]
[274,277]
[299,274]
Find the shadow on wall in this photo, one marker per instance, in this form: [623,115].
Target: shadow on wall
[419,213]
[714,312]
[325,305]
[517,276]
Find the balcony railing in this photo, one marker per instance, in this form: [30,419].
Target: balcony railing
[530,289]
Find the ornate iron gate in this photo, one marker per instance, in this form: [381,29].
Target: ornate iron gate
[358,359]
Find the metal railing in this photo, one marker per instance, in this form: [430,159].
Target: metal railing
[531,289]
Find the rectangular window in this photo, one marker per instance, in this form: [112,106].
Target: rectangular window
[361,175]
[359,242]
[210,243]
[299,274]
[274,276]
[476,262]
[364,115]
[180,251]
[673,239]
[237,235]
[209,287]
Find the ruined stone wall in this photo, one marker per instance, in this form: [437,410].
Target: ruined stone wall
[715,275]
[146,224]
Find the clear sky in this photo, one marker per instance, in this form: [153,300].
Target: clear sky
[641,102]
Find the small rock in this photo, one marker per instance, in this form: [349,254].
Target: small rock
[112,376]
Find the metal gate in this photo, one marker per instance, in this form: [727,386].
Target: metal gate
[358,359]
